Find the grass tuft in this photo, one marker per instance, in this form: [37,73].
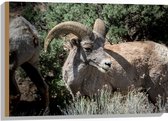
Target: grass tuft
[133,102]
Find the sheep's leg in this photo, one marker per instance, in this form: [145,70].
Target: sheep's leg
[41,85]
[155,91]
[14,93]
[13,87]
[159,76]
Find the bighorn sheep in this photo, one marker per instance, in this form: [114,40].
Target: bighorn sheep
[92,62]
[24,51]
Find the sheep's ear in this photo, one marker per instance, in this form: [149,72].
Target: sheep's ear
[99,27]
[71,43]
[74,41]
[67,46]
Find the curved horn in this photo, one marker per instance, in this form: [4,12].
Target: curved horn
[99,27]
[75,28]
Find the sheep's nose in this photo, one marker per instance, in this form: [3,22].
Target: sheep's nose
[108,64]
[105,65]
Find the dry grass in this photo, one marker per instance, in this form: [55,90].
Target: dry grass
[134,102]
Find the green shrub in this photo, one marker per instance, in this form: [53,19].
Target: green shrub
[136,22]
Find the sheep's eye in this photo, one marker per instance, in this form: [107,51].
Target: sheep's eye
[88,49]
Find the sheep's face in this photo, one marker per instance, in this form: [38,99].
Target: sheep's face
[87,49]
[90,52]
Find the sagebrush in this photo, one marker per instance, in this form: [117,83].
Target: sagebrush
[104,102]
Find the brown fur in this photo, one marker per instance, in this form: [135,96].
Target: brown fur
[133,63]
[92,62]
